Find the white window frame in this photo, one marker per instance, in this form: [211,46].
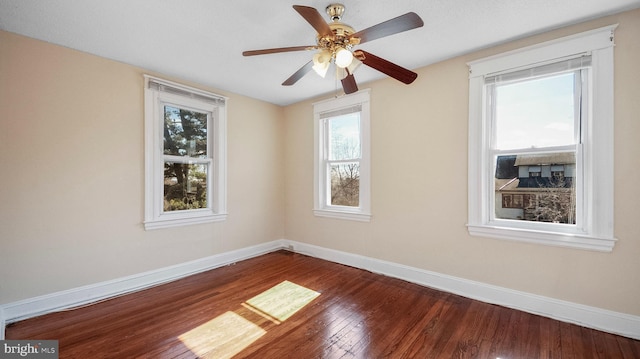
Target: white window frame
[321,184]
[157,93]
[596,232]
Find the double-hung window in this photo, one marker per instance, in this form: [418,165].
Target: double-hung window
[536,117]
[541,143]
[184,155]
[342,157]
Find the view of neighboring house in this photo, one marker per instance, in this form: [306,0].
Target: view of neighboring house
[536,187]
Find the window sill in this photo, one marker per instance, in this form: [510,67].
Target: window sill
[570,240]
[183,221]
[347,215]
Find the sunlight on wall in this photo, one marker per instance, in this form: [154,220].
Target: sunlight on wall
[230,333]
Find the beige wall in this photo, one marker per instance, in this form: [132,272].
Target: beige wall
[71,174]
[419,186]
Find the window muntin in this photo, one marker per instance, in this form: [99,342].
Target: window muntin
[185,162]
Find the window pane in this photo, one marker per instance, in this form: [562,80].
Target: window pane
[185,132]
[185,186]
[345,184]
[344,137]
[536,187]
[536,113]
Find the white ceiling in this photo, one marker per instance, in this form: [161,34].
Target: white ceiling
[202,40]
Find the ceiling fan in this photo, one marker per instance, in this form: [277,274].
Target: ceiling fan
[335,41]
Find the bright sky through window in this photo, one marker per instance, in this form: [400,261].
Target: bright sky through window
[345,137]
[536,113]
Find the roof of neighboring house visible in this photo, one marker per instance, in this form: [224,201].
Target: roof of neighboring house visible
[505,167]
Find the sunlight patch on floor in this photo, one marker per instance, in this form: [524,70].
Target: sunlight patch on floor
[222,337]
[229,333]
[283,300]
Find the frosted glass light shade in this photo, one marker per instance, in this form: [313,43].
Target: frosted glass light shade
[343,58]
[321,62]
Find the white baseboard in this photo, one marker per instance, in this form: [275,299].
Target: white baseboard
[591,317]
[76,297]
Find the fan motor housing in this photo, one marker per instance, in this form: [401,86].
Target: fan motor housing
[340,37]
[341,31]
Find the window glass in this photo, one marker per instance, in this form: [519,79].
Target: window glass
[344,145]
[531,115]
[344,137]
[345,184]
[527,189]
[185,186]
[185,132]
[536,113]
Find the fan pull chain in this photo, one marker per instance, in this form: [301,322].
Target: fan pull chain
[336,82]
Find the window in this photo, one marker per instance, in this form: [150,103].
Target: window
[541,143]
[342,179]
[185,133]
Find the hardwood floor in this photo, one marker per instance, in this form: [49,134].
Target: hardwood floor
[357,314]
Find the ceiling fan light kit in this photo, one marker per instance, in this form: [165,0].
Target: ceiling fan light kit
[335,42]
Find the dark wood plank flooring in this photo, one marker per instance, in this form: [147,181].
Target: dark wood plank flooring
[358,314]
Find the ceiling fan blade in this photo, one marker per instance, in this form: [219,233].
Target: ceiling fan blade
[314,18]
[298,74]
[349,83]
[397,72]
[276,50]
[405,22]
